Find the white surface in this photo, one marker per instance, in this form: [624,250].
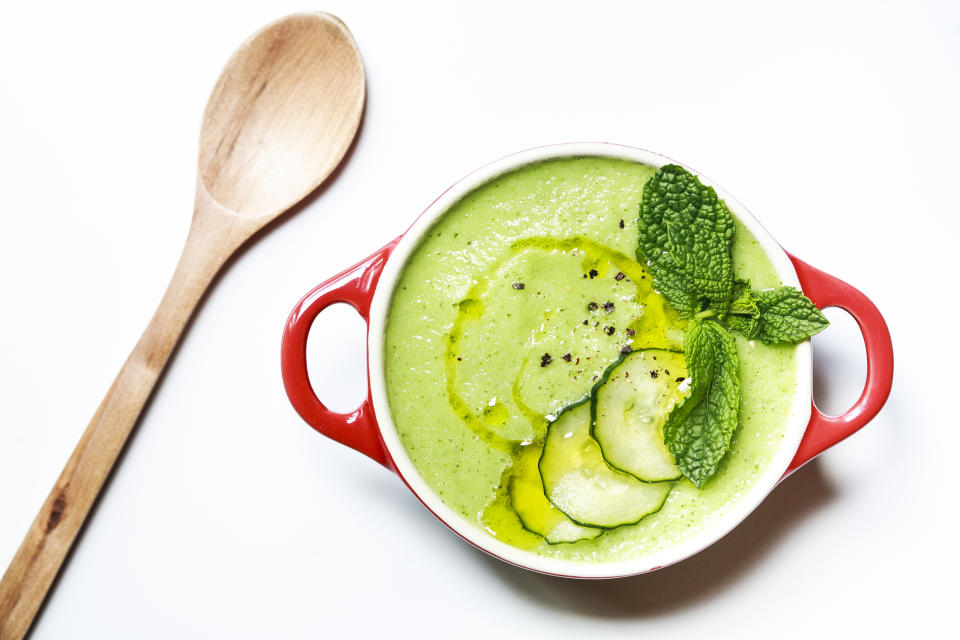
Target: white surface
[834,123]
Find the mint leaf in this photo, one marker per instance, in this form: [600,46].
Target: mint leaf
[786,315]
[698,348]
[774,315]
[686,236]
[699,431]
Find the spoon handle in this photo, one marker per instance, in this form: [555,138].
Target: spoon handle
[213,237]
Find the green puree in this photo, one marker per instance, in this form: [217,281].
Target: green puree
[486,342]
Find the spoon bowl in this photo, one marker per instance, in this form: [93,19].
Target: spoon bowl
[279,120]
[282,115]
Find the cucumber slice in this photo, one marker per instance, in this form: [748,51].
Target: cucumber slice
[578,481]
[630,409]
[535,511]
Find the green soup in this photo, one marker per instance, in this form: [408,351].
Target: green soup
[512,306]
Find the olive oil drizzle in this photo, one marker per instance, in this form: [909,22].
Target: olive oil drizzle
[651,329]
[470,308]
[537,420]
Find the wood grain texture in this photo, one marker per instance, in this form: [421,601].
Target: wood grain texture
[279,120]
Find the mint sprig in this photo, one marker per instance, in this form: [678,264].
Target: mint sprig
[685,237]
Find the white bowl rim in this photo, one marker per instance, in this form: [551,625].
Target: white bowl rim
[472,532]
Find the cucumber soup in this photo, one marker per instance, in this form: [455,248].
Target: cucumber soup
[509,314]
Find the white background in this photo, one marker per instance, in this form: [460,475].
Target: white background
[835,123]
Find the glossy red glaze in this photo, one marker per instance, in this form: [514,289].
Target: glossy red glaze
[824,431]
[355,286]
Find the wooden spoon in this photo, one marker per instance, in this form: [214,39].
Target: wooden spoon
[280,119]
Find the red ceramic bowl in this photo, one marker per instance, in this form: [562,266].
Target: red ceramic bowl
[368,287]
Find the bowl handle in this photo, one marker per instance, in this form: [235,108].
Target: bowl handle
[355,286]
[824,431]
